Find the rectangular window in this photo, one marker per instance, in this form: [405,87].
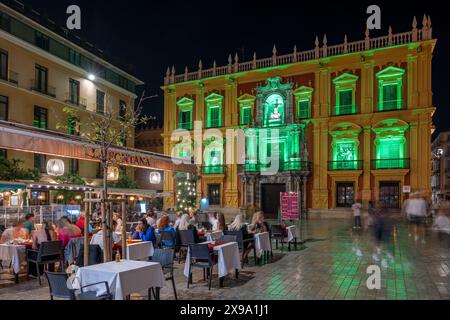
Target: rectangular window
[73,166]
[40,117]
[246,115]
[303,109]
[72,125]
[4,108]
[3,153]
[122,109]
[345,105]
[74,57]
[40,162]
[390,154]
[390,97]
[3,64]
[74,91]
[100,105]
[345,194]
[41,79]
[42,41]
[214,194]
[185,120]
[214,119]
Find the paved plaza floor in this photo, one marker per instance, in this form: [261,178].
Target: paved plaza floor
[331,264]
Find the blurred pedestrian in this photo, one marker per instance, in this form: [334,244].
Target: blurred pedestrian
[356,207]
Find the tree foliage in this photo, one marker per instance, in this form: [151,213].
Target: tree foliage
[10,170]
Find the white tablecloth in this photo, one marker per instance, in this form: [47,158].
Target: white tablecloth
[123,277]
[262,243]
[140,250]
[214,235]
[14,253]
[292,234]
[228,259]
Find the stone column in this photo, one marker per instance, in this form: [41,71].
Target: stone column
[366,192]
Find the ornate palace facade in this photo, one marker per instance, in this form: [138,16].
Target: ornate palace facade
[344,122]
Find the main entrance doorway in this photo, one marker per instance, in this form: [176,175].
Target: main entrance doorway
[345,194]
[270,199]
[390,194]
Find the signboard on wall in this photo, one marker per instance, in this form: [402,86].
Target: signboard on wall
[289,206]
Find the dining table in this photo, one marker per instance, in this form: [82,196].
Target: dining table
[16,254]
[139,250]
[123,278]
[228,260]
[214,235]
[262,244]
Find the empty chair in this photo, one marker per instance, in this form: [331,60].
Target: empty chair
[167,239]
[185,237]
[49,252]
[57,283]
[95,255]
[165,259]
[228,238]
[278,233]
[72,249]
[200,257]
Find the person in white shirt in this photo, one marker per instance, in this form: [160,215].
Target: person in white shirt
[356,207]
[118,220]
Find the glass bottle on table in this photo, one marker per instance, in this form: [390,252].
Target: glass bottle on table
[117,256]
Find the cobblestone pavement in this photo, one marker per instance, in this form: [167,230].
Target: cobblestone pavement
[331,264]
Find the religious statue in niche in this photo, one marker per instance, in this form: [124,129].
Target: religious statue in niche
[274,109]
[345,152]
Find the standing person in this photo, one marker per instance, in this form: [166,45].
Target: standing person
[29,223]
[67,231]
[151,218]
[186,225]
[356,207]
[80,223]
[178,219]
[118,220]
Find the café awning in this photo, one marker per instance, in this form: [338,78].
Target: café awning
[11,186]
[25,138]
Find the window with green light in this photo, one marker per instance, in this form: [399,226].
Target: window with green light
[214,118]
[185,120]
[345,102]
[303,109]
[345,86]
[185,107]
[274,110]
[214,110]
[345,155]
[214,161]
[390,153]
[40,118]
[390,82]
[246,115]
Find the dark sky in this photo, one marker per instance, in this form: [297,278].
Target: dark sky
[152,35]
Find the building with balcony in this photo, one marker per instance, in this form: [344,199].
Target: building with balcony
[45,68]
[343,122]
[440,176]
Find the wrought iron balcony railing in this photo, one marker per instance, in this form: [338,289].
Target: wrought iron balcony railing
[76,101]
[391,105]
[344,110]
[402,163]
[345,165]
[185,125]
[283,166]
[219,169]
[47,90]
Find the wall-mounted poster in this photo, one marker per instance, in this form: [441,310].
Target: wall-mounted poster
[289,206]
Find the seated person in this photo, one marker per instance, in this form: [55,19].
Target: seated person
[259,224]
[144,232]
[239,225]
[17,231]
[186,225]
[29,223]
[97,238]
[45,233]
[67,231]
[164,225]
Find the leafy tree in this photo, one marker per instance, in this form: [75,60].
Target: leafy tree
[10,170]
[69,178]
[124,182]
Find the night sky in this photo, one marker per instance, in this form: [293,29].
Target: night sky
[151,35]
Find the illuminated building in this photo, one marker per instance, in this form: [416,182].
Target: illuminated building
[355,121]
[440,178]
[45,68]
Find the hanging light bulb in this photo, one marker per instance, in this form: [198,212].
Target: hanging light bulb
[55,167]
[155,177]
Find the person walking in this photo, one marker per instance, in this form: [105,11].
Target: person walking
[356,207]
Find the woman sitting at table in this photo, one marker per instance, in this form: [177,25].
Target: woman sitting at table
[17,231]
[220,225]
[164,225]
[258,224]
[45,233]
[144,232]
[67,231]
[239,225]
[186,225]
